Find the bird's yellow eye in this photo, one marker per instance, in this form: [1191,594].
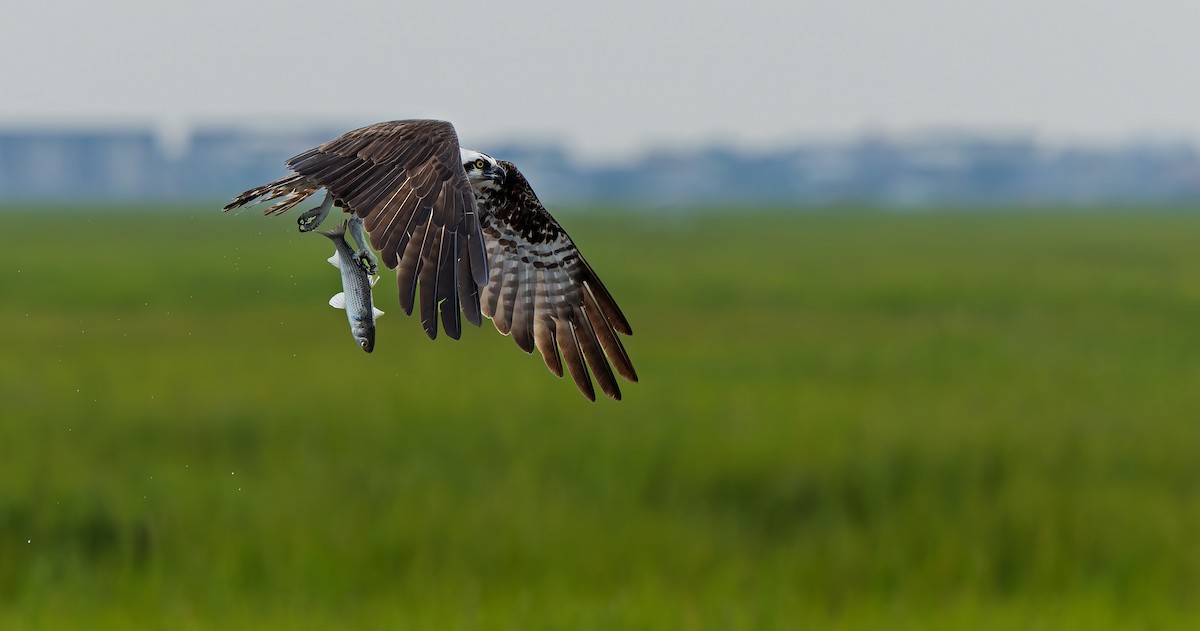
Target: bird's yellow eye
[479,164]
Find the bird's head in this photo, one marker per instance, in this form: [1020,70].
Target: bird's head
[481,169]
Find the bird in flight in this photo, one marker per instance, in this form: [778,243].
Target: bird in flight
[470,235]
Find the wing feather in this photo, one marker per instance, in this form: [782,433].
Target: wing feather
[497,259]
[613,349]
[446,285]
[509,284]
[409,267]
[430,261]
[604,300]
[565,332]
[393,242]
[523,308]
[541,291]
[592,353]
[544,329]
[380,191]
[504,277]
[291,189]
[468,293]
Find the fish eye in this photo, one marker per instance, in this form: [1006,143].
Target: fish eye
[479,164]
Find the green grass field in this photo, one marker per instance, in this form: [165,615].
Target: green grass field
[846,419]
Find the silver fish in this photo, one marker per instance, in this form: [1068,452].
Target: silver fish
[355,296]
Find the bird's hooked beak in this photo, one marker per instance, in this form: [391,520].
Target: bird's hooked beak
[494,173]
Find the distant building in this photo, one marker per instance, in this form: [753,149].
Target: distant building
[911,170]
[60,164]
[224,161]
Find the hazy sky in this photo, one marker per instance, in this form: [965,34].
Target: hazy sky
[611,76]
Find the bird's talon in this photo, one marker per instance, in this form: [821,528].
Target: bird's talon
[367,261]
[308,221]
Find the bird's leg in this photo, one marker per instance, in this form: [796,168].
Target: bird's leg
[314,216]
[364,256]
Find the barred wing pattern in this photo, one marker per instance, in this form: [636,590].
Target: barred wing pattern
[545,295]
[290,190]
[405,179]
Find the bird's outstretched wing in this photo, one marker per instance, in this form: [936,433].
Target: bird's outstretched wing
[405,179]
[543,293]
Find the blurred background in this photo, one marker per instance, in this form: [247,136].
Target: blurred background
[915,290]
[666,104]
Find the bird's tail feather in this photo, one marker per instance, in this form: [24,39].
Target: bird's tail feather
[293,189]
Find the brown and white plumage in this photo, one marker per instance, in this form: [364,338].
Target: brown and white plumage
[543,293]
[472,245]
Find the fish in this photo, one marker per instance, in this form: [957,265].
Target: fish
[355,296]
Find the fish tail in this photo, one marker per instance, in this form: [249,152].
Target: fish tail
[338,232]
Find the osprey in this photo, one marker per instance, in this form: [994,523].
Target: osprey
[470,234]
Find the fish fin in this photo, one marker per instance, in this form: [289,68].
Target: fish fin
[333,260]
[377,312]
[338,301]
[374,279]
[337,232]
